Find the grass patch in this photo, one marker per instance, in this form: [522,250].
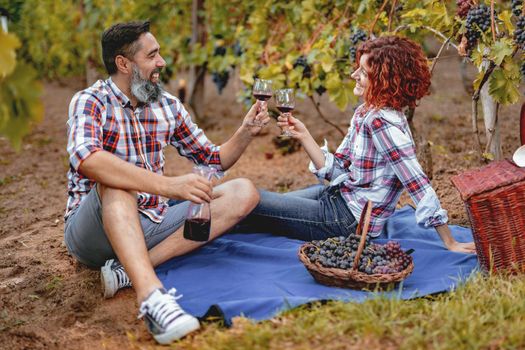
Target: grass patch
[488,312]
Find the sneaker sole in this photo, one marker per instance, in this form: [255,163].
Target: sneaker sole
[108,282]
[179,332]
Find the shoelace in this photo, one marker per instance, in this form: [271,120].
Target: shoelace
[163,308]
[122,277]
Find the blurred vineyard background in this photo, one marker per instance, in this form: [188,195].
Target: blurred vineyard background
[308,44]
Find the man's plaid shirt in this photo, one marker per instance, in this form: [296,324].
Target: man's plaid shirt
[376,161]
[101,118]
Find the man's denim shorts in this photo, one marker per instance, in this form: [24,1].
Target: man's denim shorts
[86,239]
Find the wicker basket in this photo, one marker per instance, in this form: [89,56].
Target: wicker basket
[353,278]
[494,197]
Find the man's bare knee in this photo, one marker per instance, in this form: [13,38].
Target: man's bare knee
[244,196]
[117,199]
[104,190]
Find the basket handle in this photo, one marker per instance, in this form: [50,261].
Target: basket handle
[362,229]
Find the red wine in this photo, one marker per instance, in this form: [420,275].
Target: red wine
[262,97]
[197,230]
[284,109]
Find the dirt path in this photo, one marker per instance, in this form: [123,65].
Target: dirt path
[48,301]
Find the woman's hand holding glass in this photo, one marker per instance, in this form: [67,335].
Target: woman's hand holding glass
[296,129]
[285,101]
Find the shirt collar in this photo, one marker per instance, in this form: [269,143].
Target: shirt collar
[121,97]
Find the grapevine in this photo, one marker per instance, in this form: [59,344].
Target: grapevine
[220,79]
[519,33]
[517,7]
[478,22]
[357,37]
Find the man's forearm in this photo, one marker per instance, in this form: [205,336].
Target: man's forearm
[111,171]
[232,149]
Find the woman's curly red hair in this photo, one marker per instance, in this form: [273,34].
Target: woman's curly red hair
[398,72]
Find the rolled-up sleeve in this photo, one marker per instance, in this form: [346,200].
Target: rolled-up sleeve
[332,167]
[397,148]
[84,128]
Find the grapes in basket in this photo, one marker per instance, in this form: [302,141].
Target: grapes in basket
[340,252]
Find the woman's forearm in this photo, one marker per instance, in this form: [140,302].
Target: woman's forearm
[314,151]
[445,234]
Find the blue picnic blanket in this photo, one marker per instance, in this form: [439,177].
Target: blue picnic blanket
[257,275]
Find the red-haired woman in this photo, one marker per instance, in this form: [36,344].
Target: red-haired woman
[375,161]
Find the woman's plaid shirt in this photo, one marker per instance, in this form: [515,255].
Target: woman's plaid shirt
[376,161]
[101,118]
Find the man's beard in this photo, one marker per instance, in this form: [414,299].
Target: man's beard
[144,90]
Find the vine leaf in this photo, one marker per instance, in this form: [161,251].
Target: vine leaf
[505,17]
[503,89]
[20,103]
[8,44]
[500,50]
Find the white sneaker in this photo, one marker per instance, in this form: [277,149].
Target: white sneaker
[165,319]
[113,278]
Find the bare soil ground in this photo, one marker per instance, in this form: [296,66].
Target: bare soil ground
[49,301]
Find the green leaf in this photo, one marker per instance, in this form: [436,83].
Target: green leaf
[327,61]
[477,56]
[8,45]
[511,69]
[501,49]
[503,89]
[20,103]
[478,79]
[505,16]
[488,156]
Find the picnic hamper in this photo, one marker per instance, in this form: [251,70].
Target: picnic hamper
[494,198]
[353,278]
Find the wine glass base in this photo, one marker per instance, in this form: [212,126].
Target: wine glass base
[285,134]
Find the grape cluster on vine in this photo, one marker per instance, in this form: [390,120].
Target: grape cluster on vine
[340,252]
[517,7]
[237,49]
[478,22]
[220,79]
[302,62]
[464,7]
[358,36]
[519,33]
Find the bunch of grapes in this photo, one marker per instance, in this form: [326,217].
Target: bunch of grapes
[237,49]
[358,36]
[517,7]
[320,90]
[220,79]
[463,7]
[522,70]
[478,21]
[519,33]
[340,252]
[219,51]
[301,62]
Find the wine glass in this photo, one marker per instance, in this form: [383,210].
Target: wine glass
[262,91]
[285,100]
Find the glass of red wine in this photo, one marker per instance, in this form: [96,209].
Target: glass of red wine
[198,218]
[262,91]
[285,100]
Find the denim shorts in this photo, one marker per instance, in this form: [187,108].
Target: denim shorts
[86,240]
[316,212]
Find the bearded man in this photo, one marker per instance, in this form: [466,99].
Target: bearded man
[118,218]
